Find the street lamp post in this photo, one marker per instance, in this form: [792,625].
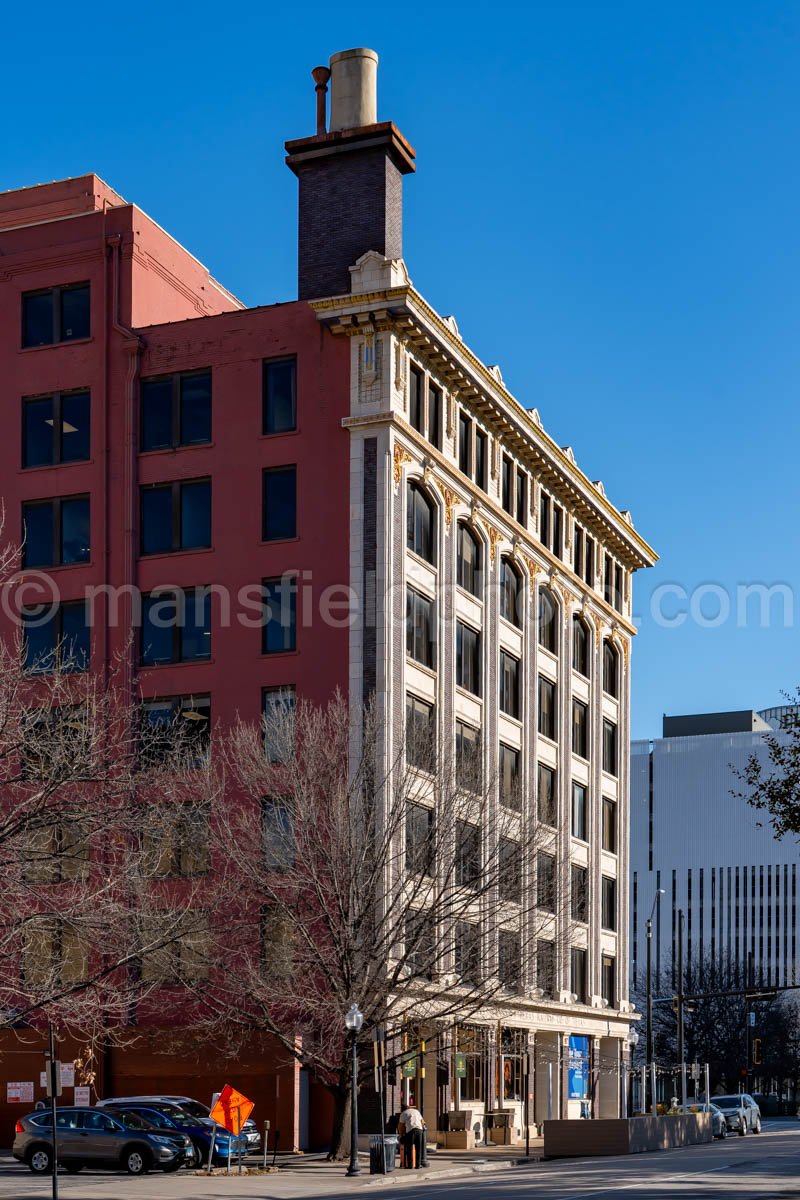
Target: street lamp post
[648,1053]
[353,1020]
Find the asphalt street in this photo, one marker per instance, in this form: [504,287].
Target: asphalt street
[757,1167]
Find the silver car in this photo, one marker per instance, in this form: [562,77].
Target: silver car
[87,1136]
[741,1109]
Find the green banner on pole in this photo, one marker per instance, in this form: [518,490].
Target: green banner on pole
[461,1066]
[409,1066]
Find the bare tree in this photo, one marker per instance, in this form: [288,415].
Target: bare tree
[409,889]
[774,787]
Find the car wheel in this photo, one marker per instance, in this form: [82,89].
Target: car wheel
[742,1129]
[757,1126]
[199,1154]
[723,1133]
[40,1160]
[136,1161]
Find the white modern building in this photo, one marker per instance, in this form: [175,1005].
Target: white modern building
[712,854]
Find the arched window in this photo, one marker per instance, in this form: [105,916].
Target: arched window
[510,593]
[581,657]
[420,522]
[548,621]
[468,566]
[610,669]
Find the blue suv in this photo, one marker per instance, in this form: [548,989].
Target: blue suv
[166,1114]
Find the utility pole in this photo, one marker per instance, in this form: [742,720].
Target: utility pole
[54,1075]
[648,1052]
[681,1046]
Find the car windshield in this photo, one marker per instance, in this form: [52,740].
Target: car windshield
[134,1120]
[158,1119]
[195,1108]
[728,1101]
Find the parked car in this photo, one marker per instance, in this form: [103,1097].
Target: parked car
[746,1107]
[201,1130]
[87,1136]
[719,1124]
[196,1108]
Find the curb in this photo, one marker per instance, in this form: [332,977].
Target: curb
[434,1176]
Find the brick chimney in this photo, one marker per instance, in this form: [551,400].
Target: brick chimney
[351,178]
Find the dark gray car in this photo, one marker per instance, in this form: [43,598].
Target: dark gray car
[88,1136]
[746,1108]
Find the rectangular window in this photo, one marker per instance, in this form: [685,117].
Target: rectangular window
[509,870]
[509,962]
[465,444]
[545,520]
[547,804]
[547,708]
[468,952]
[609,825]
[58,640]
[509,778]
[279,631]
[175,728]
[522,497]
[55,532]
[608,985]
[546,968]
[277,827]
[175,411]
[434,416]
[420,734]
[54,954]
[507,470]
[558,531]
[610,748]
[184,956]
[176,626]
[618,596]
[468,757]
[609,903]
[580,729]
[175,841]
[579,812]
[589,566]
[578,973]
[578,551]
[278,705]
[468,658]
[419,628]
[280,504]
[279,397]
[59,314]
[608,580]
[416,399]
[176,516]
[55,429]
[480,458]
[546,881]
[509,685]
[420,852]
[468,854]
[420,940]
[580,893]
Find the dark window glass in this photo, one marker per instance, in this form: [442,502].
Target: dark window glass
[419,522]
[416,395]
[578,973]
[37,433]
[277,824]
[547,708]
[74,427]
[509,963]
[509,870]
[176,411]
[610,669]
[74,313]
[480,458]
[39,533]
[546,968]
[546,881]
[37,319]
[608,579]
[468,658]
[465,444]
[468,854]
[74,531]
[176,516]
[278,706]
[579,812]
[505,484]
[420,939]
[580,729]
[280,395]
[580,895]
[55,429]
[280,503]
[558,531]
[548,621]
[434,416]
[420,734]
[195,412]
[609,981]
[468,952]
[522,497]
[618,588]
[40,636]
[580,647]
[195,633]
[469,768]
[75,647]
[419,628]
[280,615]
[56,532]
[509,685]
[419,839]
[156,433]
[545,522]
[546,797]
[159,621]
[177,725]
[156,519]
[578,545]
[509,778]
[195,515]
[510,594]
[589,573]
[609,826]
[610,747]
[56,640]
[468,564]
[609,903]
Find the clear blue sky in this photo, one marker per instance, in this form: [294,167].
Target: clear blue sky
[606,198]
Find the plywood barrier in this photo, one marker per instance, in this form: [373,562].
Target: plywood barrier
[574,1139]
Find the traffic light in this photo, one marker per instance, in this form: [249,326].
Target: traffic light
[757,1060]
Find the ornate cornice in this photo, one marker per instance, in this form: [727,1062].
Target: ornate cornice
[401,456]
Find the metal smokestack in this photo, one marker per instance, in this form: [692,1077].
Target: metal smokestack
[354,89]
[321,75]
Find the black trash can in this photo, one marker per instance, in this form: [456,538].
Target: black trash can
[376,1158]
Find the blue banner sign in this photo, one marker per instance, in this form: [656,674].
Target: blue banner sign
[578,1068]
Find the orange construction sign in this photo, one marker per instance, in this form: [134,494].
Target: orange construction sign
[232,1109]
